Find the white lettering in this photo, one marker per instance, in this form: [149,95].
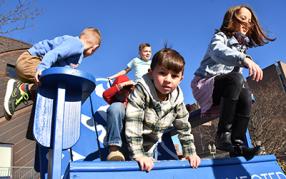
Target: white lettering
[243,177]
[278,174]
[256,176]
[272,173]
[264,175]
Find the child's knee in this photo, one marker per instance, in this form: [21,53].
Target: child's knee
[116,107]
[26,67]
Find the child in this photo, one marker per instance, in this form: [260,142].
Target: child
[218,80]
[140,64]
[155,105]
[116,96]
[61,51]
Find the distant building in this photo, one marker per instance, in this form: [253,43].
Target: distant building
[268,124]
[17,153]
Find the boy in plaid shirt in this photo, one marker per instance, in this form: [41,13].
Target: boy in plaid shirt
[155,105]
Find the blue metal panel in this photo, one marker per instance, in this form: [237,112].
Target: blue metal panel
[75,81]
[94,148]
[259,167]
[43,119]
[61,91]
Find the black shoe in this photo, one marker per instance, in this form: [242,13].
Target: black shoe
[223,142]
[13,97]
[247,153]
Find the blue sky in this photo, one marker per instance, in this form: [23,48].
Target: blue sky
[185,25]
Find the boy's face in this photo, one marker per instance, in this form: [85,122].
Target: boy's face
[90,50]
[146,53]
[165,80]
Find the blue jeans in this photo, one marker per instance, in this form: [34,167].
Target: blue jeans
[115,118]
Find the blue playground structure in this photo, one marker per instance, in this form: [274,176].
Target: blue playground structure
[69,122]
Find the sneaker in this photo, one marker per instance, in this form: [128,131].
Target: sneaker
[115,156]
[13,97]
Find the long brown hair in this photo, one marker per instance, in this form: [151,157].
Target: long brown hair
[255,33]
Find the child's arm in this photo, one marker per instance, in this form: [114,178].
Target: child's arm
[254,70]
[109,93]
[183,127]
[134,128]
[134,122]
[122,72]
[112,91]
[146,163]
[221,53]
[67,49]
[194,160]
[37,75]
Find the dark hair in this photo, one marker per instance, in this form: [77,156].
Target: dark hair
[255,33]
[169,59]
[143,45]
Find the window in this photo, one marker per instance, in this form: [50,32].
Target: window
[6,155]
[10,70]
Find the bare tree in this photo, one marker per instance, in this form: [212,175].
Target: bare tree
[268,117]
[14,15]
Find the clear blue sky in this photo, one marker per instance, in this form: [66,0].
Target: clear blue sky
[185,25]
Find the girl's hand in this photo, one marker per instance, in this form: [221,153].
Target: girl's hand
[194,160]
[146,163]
[254,70]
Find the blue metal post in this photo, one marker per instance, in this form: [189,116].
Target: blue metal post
[56,153]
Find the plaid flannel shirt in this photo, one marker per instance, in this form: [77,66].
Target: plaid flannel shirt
[147,118]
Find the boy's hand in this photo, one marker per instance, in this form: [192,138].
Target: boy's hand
[37,75]
[146,163]
[126,83]
[110,78]
[72,65]
[194,160]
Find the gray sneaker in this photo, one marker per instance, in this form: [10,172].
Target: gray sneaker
[13,97]
[115,156]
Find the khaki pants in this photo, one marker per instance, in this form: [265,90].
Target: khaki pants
[26,66]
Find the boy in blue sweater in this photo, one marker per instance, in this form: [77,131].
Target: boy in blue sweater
[65,51]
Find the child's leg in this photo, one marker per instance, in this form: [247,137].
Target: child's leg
[240,124]
[226,92]
[242,115]
[17,91]
[26,67]
[115,117]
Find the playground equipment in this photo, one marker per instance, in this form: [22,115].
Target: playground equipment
[70,135]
